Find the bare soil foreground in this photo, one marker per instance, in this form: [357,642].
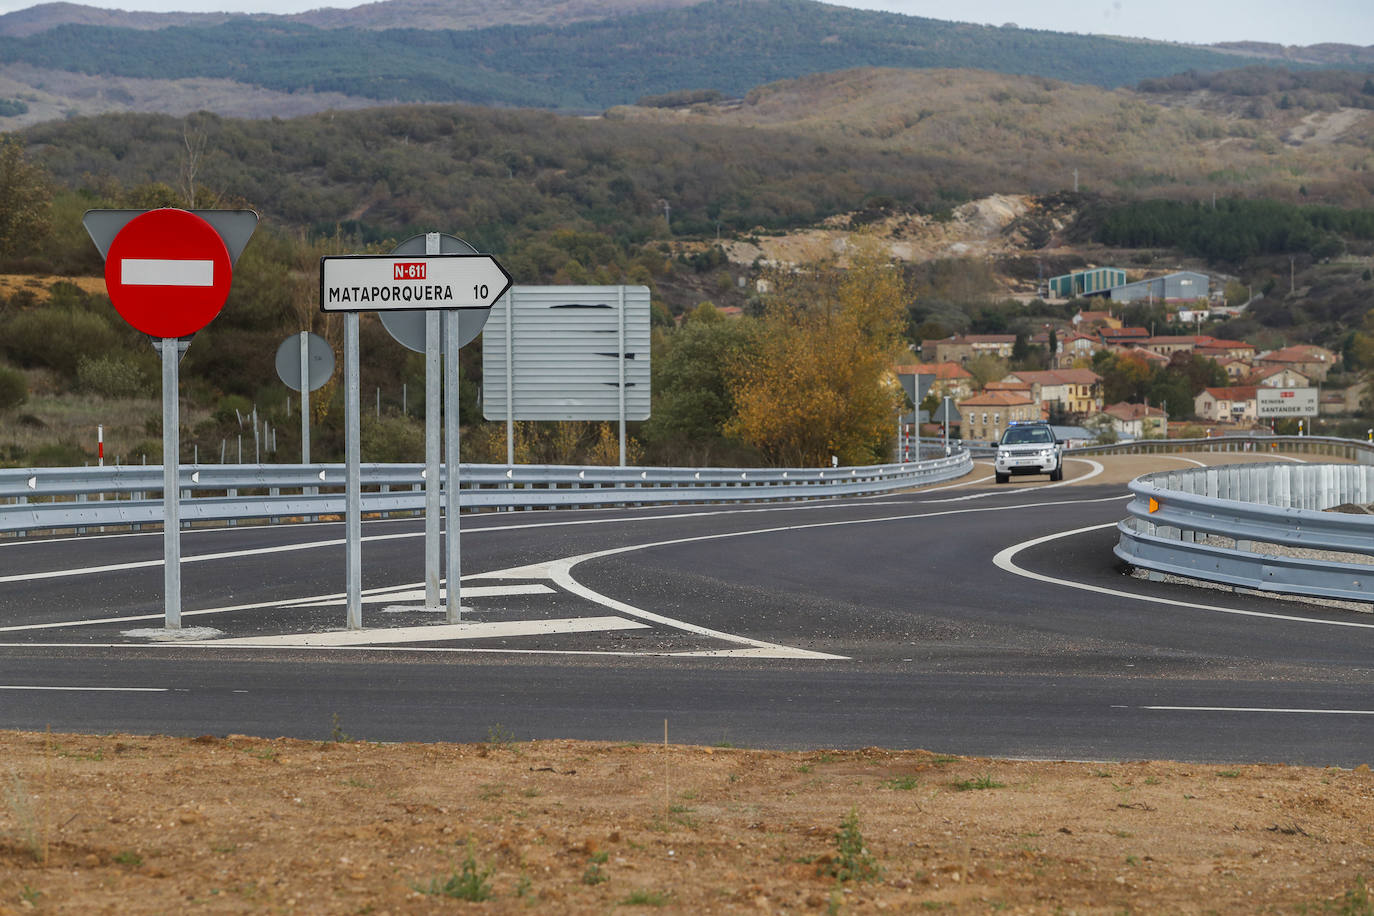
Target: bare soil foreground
[128,824]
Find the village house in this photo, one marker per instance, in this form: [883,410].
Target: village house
[1074,391]
[985,416]
[1312,361]
[1238,404]
[1279,377]
[1076,347]
[1136,421]
[1087,322]
[1121,337]
[947,379]
[962,349]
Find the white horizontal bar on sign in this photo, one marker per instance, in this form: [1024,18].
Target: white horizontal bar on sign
[166,272]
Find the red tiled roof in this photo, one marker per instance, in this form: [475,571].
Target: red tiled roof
[996,399]
[1127,411]
[1234,393]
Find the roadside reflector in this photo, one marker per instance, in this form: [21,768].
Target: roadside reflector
[1154,504]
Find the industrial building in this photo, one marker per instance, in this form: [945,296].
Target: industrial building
[1183,285]
[1097,280]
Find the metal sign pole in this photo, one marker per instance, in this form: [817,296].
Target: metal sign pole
[453,572]
[433,457]
[353,503]
[305,397]
[171,493]
[620,317]
[510,377]
[433,443]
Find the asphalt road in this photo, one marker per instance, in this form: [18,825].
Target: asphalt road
[970,619]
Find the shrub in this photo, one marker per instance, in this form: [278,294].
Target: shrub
[57,338]
[112,377]
[14,389]
[392,438]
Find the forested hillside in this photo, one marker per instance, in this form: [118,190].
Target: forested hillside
[728,45]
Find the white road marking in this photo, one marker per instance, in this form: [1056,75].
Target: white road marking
[1005,560]
[418,594]
[1310,712]
[90,689]
[433,633]
[1096,469]
[1201,464]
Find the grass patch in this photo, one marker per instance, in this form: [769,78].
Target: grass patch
[28,820]
[468,883]
[901,783]
[978,782]
[647,898]
[853,861]
[128,857]
[1354,902]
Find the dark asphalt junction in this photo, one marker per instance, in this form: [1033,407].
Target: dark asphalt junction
[880,621]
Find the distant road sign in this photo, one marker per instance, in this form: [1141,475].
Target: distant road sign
[168,273]
[1286,402]
[379,283]
[319,359]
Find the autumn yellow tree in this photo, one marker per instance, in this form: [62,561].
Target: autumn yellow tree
[820,381]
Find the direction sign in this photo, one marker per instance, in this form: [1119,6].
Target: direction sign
[379,283]
[168,273]
[1285,402]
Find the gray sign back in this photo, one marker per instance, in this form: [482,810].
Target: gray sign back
[408,327]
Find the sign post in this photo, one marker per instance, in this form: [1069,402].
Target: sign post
[421,331]
[432,282]
[168,274]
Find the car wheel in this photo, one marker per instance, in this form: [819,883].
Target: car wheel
[1003,478]
[1058,472]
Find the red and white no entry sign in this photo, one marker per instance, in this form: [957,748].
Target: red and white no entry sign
[168,273]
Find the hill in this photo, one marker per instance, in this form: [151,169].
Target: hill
[658,49]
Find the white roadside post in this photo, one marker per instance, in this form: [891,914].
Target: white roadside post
[432,283]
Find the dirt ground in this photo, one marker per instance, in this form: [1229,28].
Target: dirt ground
[133,824]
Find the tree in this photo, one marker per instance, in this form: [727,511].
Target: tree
[25,197]
[820,383]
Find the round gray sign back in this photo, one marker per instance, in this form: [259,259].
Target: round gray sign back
[408,326]
[318,354]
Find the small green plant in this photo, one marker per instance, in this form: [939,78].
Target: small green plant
[24,810]
[359,783]
[469,883]
[1229,774]
[804,768]
[30,895]
[901,783]
[500,736]
[978,782]
[336,732]
[646,898]
[522,887]
[1354,902]
[853,861]
[594,875]
[128,857]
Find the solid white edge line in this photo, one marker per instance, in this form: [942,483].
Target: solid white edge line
[1311,712]
[94,689]
[1004,560]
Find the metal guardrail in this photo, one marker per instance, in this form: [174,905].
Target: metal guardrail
[50,499]
[1258,526]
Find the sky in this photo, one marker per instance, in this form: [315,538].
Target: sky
[1278,21]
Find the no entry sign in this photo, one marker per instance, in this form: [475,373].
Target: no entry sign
[168,273]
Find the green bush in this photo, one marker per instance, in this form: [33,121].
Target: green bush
[14,389]
[58,455]
[57,338]
[112,377]
[392,439]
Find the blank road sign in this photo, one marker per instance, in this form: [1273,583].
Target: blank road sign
[565,357]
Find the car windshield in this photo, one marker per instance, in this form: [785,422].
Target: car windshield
[1027,436]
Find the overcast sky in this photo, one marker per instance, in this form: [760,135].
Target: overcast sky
[1280,21]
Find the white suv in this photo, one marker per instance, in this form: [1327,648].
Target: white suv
[1028,448]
